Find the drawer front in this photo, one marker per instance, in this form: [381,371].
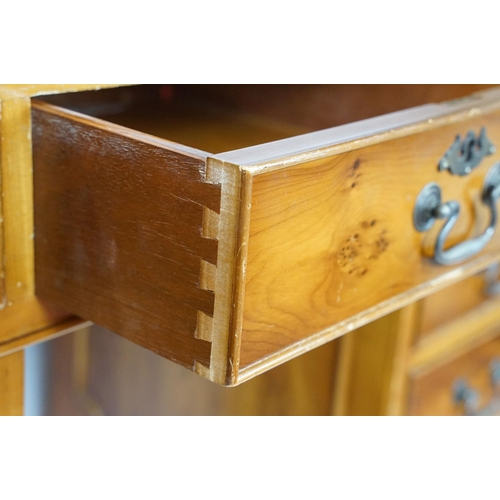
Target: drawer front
[332,243]
[442,391]
[448,304]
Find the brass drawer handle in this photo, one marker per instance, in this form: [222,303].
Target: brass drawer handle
[429,208]
[465,395]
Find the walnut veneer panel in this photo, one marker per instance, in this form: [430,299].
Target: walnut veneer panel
[118,231]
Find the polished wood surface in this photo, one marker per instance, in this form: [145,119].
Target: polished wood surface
[432,393]
[311,240]
[456,336]
[332,243]
[119,219]
[11,384]
[28,316]
[44,334]
[21,314]
[17,205]
[371,372]
[259,115]
[451,302]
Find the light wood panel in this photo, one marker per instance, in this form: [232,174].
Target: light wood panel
[303,386]
[371,372]
[451,302]
[11,384]
[456,337]
[3,298]
[17,204]
[27,316]
[57,330]
[20,312]
[432,392]
[332,243]
[323,233]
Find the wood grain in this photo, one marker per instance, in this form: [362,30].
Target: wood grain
[332,238]
[17,204]
[27,316]
[431,394]
[20,312]
[3,298]
[224,279]
[371,372]
[455,337]
[11,384]
[322,226]
[119,220]
[42,335]
[450,303]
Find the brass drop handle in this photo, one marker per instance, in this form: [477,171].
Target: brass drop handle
[429,208]
[465,395]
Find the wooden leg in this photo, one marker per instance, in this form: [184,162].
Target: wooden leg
[372,369]
[12,384]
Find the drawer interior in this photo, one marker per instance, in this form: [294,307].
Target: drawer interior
[220,118]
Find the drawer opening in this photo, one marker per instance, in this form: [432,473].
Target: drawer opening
[221,118]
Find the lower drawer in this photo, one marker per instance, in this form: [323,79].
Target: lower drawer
[470,384]
[233,262]
[458,299]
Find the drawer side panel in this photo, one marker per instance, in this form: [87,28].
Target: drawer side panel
[118,231]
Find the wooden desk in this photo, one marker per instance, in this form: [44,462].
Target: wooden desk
[378,369]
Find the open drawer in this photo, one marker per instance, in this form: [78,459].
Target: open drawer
[276,241]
